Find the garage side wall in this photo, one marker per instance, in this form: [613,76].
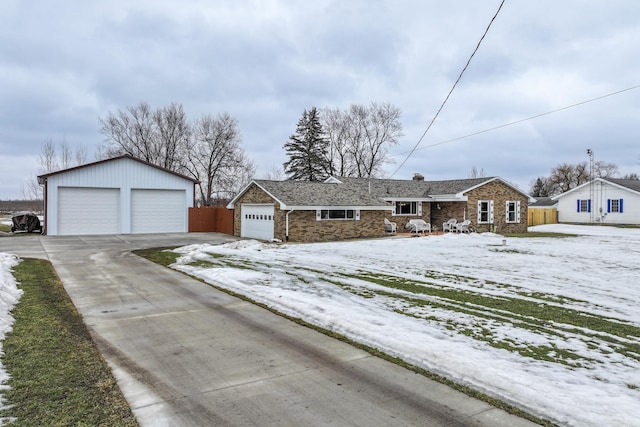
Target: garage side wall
[254,195]
[124,174]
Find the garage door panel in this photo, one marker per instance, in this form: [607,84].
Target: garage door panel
[158,211]
[88,210]
[257,221]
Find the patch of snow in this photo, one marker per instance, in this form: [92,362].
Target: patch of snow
[9,297]
[595,273]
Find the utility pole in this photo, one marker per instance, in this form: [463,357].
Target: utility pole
[591,201]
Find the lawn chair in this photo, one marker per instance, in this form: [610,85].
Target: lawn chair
[389,227]
[449,225]
[463,227]
[418,226]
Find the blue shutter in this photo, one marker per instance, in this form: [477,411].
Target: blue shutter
[578,205]
[608,205]
[620,206]
[589,205]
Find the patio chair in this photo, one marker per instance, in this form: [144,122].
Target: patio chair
[389,227]
[463,227]
[449,225]
[418,225]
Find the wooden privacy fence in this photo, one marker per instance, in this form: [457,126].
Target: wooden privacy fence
[211,219]
[541,216]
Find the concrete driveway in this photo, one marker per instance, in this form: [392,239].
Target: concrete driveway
[185,354]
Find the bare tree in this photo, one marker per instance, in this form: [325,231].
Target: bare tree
[159,137]
[360,138]
[52,157]
[276,173]
[475,173]
[565,176]
[216,158]
[48,157]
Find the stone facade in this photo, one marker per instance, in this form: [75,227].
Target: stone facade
[500,193]
[304,227]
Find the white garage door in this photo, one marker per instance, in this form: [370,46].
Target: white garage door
[257,221]
[158,211]
[88,210]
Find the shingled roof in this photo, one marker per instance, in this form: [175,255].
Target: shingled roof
[307,194]
[631,184]
[368,193]
[411,189]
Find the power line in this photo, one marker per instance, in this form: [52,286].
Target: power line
[451,91]
[523,120]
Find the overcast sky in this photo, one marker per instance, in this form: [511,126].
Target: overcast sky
[65,64]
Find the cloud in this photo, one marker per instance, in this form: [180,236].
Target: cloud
[63,66]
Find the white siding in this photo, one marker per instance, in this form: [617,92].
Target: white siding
[599,193]
[123,173]
[158,211]
[88,210]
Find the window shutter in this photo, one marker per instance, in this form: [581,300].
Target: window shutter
[578,206]
[589,205]
[357,214]
[393,210]
[620,206]
[608,205]
[318,215]
[479,210]
[518,211]
[491,211]
[419,208]
[506,211]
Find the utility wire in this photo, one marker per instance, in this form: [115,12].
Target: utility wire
[451,91]
[524,120]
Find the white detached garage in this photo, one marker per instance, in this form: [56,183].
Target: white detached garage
[122,195]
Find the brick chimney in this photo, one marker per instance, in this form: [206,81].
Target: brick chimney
[418,177]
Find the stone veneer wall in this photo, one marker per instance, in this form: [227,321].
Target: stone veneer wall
[303,226]
[447,211]
[500,193]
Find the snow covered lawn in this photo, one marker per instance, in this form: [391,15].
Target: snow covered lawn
[551,325]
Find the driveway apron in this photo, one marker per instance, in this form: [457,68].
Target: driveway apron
[186,354]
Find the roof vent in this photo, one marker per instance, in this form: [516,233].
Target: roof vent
[418,177]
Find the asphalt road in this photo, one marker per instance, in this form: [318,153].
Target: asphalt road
[185,354]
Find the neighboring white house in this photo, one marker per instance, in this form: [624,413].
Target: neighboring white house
[121,195]
[601,201]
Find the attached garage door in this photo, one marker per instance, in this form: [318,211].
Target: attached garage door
[158,211]
[257,221]
[88,210]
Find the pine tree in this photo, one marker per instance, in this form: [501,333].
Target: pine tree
[307,150]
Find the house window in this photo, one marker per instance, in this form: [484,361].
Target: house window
[344,214]
[614,205]
[584,205]
[513,211]
[485,211]
[406,208]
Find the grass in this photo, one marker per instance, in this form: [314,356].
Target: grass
[57,375]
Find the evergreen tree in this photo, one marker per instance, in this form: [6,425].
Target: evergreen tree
[307,150]
[540,188]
